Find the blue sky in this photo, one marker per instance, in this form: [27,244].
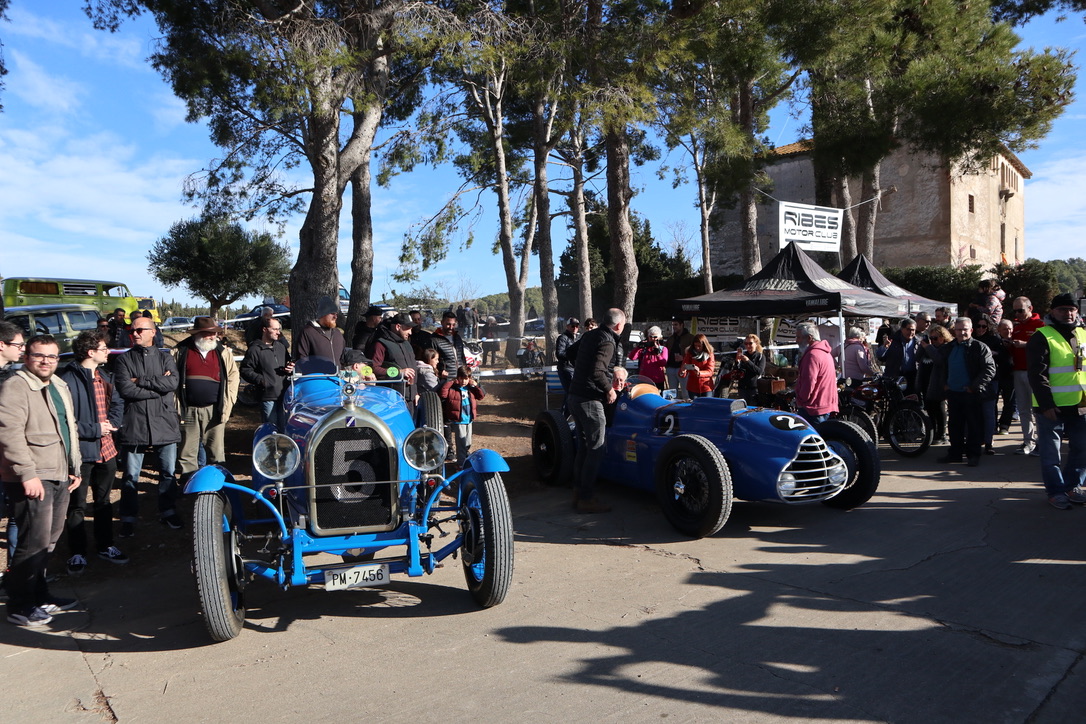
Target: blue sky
[94,150]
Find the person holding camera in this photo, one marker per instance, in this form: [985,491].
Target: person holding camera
[651,357]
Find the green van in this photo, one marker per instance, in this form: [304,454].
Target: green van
[105,296]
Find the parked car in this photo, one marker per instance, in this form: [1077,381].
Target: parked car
[177,323]
[279,310]
[63,321]
[357,475]
[698,455]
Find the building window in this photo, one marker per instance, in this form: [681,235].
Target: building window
[972,252]
[972,207]
[1002,238]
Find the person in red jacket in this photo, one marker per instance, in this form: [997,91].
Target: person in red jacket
[1026,322]
[816,386]
[458,398]
[698,367]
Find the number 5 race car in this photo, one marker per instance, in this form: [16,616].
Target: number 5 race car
[351,494]
[698,455]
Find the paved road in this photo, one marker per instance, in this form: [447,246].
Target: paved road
[952,596]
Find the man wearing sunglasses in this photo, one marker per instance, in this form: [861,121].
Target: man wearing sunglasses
[39,466]
[146,377]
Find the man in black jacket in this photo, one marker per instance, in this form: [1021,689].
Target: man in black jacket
[967,378]
[267,365]
[599,351]
[561,349]
[98,410]
[146,379]
[392,351]
[366,327]
[449,345]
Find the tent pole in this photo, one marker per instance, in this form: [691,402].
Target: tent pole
[841,339]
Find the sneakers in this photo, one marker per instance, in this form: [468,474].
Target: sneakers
[1024,449]
[173,520]
[113,554]
[941,441]
[989,450]
[1060,502]
[1076,496]
[1004,430]
[76,565]
[128,530]
[32,617]
[53,604]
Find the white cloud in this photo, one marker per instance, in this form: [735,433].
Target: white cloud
[30,82]
[114,48]
[1056,208]
[168,112]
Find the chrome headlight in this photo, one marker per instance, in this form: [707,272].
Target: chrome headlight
[425,448]
[786,483]
[276,456]
[838,474]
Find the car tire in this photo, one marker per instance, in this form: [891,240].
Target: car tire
[552,449]
[217,565]
[909,430]
[486,526]
[428,411]
[861,457]
[693,485]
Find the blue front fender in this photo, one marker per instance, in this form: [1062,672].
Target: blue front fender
[208,479]
[487,461]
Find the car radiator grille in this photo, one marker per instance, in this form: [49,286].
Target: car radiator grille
[811,470]
[347,467]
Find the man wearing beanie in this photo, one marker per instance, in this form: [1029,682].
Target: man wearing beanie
[321,338]
[1057,375]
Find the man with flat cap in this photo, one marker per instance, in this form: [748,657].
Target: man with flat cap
[393,357]
[1056,365]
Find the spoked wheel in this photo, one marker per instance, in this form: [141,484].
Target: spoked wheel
[218,566]
[856,448]
[861,419]
[909,430]
[552,448]
[693,485]
[487,528]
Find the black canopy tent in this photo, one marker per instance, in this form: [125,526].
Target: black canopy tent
[792,285]
[862,273]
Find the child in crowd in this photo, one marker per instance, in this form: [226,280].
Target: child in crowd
[458,397]
[427,371]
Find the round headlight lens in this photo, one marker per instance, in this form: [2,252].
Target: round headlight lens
[425,448]
[786,483]
[276,456]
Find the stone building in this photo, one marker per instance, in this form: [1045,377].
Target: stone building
[935,214]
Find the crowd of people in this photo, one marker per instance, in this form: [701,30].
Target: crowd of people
[65,435]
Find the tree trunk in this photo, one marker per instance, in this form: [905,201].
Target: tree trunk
[871,194]
[315,274]
[361,217]
[748,209]
[848,221]
[706,204]
[580,227]
[541,148]
[619,194]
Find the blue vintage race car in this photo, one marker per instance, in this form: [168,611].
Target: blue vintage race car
[698,455]
[350,493]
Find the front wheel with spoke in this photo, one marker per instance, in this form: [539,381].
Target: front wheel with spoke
[693,485]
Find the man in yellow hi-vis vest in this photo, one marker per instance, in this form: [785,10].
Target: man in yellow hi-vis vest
[1056,359]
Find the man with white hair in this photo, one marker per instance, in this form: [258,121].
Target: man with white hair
[816,385]
[207,388]
[966,378]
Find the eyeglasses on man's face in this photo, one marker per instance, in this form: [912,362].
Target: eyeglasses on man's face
[140,330]
[20,345]
[39,357]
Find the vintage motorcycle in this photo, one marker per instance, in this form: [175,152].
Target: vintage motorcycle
[881,407]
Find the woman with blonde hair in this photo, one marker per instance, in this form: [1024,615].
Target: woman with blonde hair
[698,367]
[749,366]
